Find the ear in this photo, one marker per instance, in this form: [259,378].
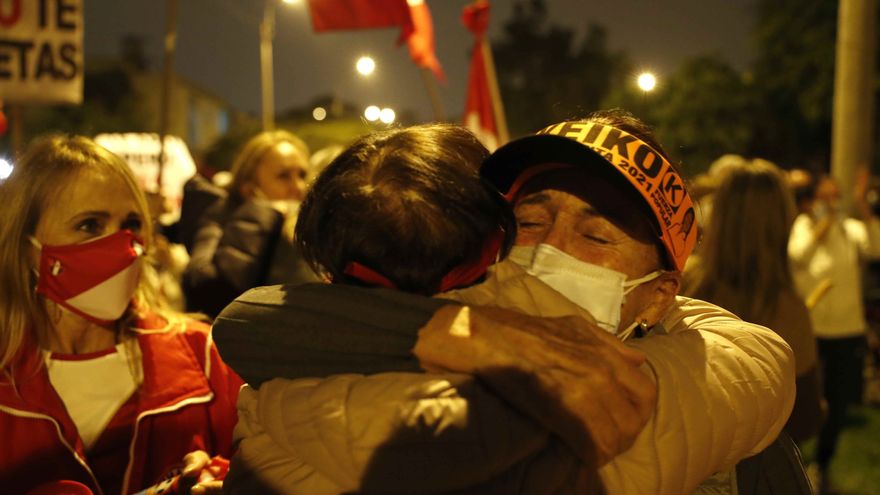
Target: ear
[660,298]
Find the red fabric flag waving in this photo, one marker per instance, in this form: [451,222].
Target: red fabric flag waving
[479,116]
[421,42]
[329,15]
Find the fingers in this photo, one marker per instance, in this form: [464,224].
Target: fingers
[207,487]
[194,462]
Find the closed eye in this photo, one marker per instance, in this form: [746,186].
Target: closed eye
[595,239]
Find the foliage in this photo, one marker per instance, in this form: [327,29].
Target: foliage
[544,75]
[109,105]
[700,112]
[793,78]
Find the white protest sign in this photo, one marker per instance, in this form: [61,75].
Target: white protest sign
[41,51]
[141,152]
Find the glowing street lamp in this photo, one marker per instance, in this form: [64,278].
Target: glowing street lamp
[319,113]
[365,65]
[372,113]
[267,71]
[387,116]
[5,169]
[646,81]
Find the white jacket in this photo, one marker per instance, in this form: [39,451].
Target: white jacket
[835,258]
[725,387]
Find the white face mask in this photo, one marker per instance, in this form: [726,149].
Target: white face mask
[599,290]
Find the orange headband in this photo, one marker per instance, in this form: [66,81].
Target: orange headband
[652,176]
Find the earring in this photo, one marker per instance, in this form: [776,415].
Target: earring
[642,329]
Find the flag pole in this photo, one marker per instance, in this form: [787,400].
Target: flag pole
[267,77]
[494,92]
[167,84]
[433,94]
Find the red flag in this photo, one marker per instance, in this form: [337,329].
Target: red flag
[329,15]
[421,42]
[479,116]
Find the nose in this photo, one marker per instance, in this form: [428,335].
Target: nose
[559,233]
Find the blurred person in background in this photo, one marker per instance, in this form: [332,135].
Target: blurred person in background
[241,241]
[803,186]
[826,250]
[101,385]
[743,267]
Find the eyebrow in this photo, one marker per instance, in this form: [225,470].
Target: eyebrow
[534,199]
[93,213]
[590,211]
[102,214]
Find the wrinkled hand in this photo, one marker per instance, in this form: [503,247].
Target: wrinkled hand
[208,475]
[566,373]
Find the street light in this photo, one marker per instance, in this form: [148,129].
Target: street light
[267,73]
[372,113]
[387,116]
[5,169]
[365,65]
[319,113]
[646,81]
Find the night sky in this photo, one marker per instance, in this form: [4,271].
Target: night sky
[218,45]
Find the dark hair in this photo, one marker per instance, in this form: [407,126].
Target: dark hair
[746,270]
[627,122]
[407,203]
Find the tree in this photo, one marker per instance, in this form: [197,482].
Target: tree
[544,75]
[793,81]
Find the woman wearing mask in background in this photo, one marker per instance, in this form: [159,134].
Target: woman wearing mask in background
[826,249]
[243,241]
[100,385]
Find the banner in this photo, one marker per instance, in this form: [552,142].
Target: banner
[141,152]
[330,15]
[41,51]
[479,112]
[421,42]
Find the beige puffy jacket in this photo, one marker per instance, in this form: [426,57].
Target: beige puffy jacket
[725,389]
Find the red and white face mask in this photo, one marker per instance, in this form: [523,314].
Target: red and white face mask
[95,279]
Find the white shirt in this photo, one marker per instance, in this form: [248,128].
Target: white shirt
[836,258]
[92,387]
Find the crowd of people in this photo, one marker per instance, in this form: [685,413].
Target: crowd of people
[423,316]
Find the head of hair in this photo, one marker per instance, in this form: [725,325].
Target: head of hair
[244,168]
[407,203]
[744,258]
[48,164]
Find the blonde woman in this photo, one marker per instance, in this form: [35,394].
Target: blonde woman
[99,385]
[239,244]
[743,267]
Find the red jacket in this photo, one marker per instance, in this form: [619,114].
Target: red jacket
[186,402]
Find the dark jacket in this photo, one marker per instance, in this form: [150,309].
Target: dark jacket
[236,248]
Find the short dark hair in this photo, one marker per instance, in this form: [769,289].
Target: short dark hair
[627,122]
[407,203]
